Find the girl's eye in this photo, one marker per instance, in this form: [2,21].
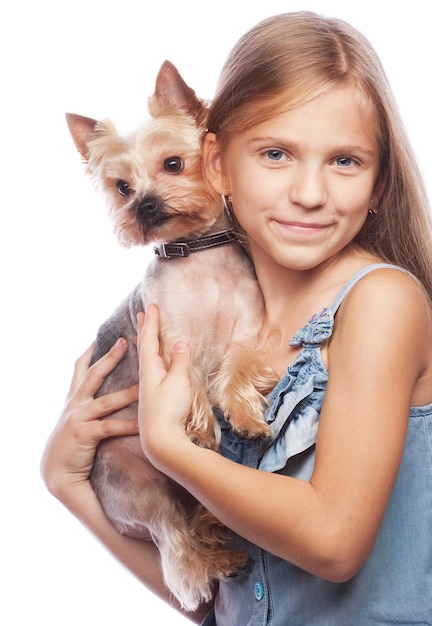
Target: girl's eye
[274,155]
[344,161]
[173,165]
[123,188]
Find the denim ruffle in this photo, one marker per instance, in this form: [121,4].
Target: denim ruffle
[318,329]
[295,410]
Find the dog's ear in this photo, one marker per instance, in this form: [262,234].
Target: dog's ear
[173,94]
[82,130]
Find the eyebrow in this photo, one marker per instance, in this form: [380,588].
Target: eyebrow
[354,148]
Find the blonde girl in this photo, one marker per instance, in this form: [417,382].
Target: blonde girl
[306,147]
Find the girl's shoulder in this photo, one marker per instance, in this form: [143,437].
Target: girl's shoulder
[386,318]
[382,285]
[385,305]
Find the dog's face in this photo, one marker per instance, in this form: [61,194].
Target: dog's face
[152,178]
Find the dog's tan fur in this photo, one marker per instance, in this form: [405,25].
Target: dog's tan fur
[156,193]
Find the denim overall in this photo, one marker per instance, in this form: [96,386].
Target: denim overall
[394,586]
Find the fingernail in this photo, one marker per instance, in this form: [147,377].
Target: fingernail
[180,347]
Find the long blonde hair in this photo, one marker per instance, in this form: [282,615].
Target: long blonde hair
[289,59]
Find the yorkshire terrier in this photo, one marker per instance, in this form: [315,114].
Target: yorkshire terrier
[205,289]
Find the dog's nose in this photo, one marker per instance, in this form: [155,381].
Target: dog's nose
[148,207]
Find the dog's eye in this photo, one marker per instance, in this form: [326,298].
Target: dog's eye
[123,188]
[173,165]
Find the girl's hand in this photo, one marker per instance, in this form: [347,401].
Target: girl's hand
[70,451]
[165,395]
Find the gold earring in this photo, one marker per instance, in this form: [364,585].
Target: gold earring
[372,210]
[227,205]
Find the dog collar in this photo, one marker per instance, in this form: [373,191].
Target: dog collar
[185,248]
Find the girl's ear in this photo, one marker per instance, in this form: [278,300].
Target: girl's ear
[212,164]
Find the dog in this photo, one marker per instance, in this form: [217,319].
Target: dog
[204,286]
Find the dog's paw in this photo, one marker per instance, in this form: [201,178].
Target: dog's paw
[250,431]
[204,440]
[241,569]
[232,563]
[252,435]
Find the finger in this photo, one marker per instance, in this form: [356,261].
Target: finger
[80,369]
[148,330]
[140,323]
[180,352]
[110,403]
[96,374]
[148,345]
[180,360]
[115,428]
[105,406]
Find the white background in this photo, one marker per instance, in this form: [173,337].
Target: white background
[61,267]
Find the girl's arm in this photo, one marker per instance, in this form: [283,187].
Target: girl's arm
[69,455]
[327,525]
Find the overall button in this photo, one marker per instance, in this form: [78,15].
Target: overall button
[259,590]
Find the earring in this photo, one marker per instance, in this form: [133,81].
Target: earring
[228,208]
[372,210]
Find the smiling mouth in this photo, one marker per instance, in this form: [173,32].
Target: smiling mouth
[301,227]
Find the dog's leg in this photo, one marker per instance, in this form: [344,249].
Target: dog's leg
[201,427]
[238,390]
[193,556]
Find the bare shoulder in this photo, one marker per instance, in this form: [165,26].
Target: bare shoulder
[389,294]
[387,316]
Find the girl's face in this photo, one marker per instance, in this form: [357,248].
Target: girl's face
[302,182]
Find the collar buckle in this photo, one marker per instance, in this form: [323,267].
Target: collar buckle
[168,250]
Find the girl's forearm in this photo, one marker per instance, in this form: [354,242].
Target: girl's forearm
[283,515]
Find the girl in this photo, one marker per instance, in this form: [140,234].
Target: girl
[306,147]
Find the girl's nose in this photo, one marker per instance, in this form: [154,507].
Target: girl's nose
[308,187]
